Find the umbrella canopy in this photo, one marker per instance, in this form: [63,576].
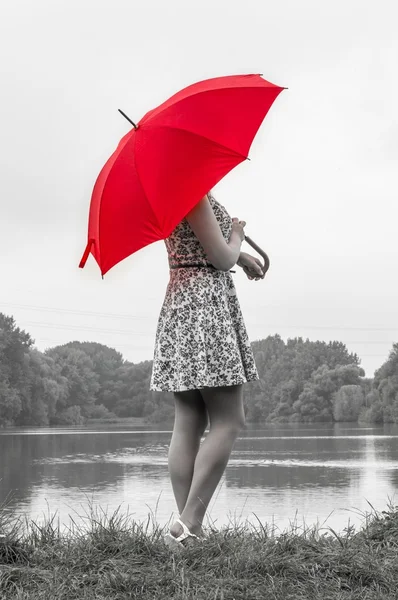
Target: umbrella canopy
[170,160]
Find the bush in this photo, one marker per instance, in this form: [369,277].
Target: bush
[70,416]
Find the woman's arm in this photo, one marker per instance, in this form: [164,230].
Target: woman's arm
[251,266]
[222,255]
[239,261]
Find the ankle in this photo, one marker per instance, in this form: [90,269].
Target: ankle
[176,528]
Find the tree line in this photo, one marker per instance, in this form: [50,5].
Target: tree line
[300,381]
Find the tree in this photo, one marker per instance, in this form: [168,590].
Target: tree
[14,348]
[10,404]
[105,364]
[285,369]
[372,412]
[134,397]
[315,403]
[386,384]
[347,403]
[44,391]
[78,370]
[14,345]
[300,381]
[70,416]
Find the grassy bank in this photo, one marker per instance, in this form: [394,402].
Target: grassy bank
[113,557]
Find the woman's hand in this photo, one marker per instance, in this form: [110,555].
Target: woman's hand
[238,226]
[251,266]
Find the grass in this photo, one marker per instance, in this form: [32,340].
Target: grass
[109,557]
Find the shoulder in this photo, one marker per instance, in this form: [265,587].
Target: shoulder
[204,224]
[202,211]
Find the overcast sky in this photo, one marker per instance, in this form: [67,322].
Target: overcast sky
[319,195]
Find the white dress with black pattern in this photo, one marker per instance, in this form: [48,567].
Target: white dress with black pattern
[201,338]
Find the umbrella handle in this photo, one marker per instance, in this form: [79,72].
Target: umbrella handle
[265,267]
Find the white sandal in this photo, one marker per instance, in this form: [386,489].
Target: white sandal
[176,542]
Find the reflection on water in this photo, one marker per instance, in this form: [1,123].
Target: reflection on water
[277,475]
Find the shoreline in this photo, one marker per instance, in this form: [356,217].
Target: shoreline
[143,421]
[114,557]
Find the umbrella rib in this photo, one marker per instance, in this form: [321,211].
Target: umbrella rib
[174,99]
[230,150]
[115,157]
[143,189]
[199,92]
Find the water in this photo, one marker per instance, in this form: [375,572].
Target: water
[324,474]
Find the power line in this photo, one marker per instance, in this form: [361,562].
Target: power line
[141,318]
[84,328]
[152,333]
[75,312]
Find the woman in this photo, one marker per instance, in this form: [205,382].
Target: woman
[203,355]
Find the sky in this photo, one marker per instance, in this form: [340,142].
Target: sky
[319,194]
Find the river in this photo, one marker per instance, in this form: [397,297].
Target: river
[325,474]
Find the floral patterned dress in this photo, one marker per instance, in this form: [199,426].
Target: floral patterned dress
[201,338]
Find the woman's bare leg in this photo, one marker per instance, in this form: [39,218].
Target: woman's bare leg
[189,425]
[227,418]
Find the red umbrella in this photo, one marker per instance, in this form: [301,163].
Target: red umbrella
[170,160]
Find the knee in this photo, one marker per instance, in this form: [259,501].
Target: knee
[191,427]
[202,424]
[239,423]
[233,426]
